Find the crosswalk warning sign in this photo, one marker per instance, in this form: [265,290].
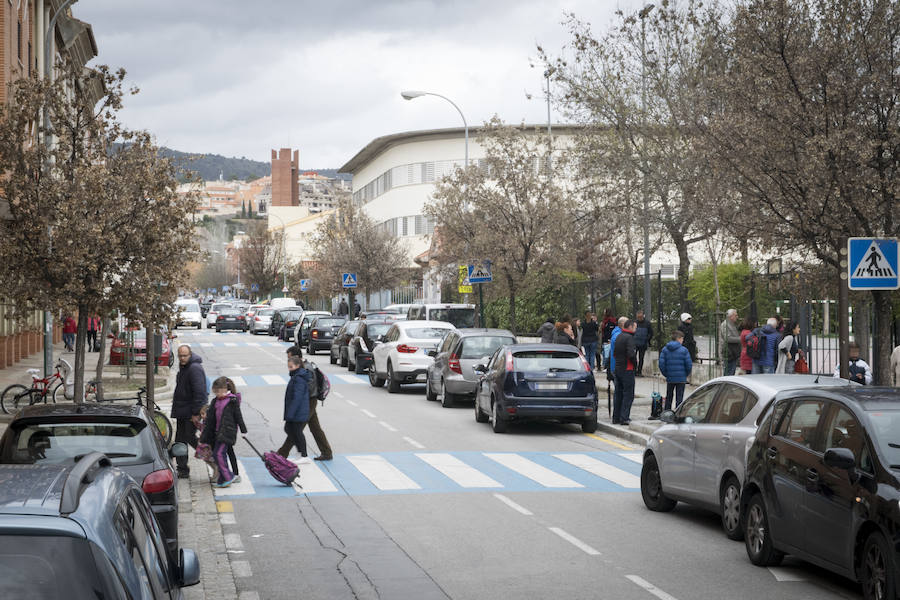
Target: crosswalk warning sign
[480,273]
[348,280]
[873,264]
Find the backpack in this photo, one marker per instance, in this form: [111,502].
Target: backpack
[323,386]
[756,343]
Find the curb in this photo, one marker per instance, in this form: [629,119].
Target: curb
[626,433]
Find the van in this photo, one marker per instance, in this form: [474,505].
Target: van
[188,313]
[277,303]
[459,315]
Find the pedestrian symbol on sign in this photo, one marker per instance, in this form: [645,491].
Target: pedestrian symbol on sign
[348,280]
[873,264]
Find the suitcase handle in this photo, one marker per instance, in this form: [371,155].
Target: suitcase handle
[252,446]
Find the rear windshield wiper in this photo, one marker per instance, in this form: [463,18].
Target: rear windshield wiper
[561,370]
[110,455]
[893,445]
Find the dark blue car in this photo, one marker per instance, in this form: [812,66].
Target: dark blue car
[524,382]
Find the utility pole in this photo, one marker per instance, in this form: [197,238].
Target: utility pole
[645,224]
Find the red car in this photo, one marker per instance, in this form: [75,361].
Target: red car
[119,349]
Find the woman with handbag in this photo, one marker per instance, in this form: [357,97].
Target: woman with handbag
[788,349]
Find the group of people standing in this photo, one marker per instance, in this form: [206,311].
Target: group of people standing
[70,329]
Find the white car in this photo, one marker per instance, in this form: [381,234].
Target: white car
[188,313]
[213,313]
[261,320]
[402,356]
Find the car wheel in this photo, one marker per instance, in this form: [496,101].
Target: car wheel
[651,487]
[447,399]
[343,358]
[331,358]
[730,505]
[357,368]
[589,425]
[392,383]
[498,424]
[757,537]
[218,330]
[480,417]
[374,379]
[199,325]
[429,394]
[877,573]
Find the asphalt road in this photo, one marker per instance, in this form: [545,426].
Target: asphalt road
[421,502]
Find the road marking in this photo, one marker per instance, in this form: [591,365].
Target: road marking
[230,344]
[206,344]
[786,574]
[313,479]
[381,473]
[254,344]
[533,471]
[227,518]
[233,541]
[650,587]
[575,541]
[601,469]
[224,506]
[241,488]
[387,426]
[368,413]
[352,403]
[637,457]
[239,381]
[458,471]
[349,379]
[337,394]
[274,379]
[412,442]
[513,505]
[606,441]
[241,568]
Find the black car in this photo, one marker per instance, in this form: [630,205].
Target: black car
[84,530]
[359,351]
[823,484]
[59,434]
[341,341]
[231,318]
[536,381]
[321,331]
[283,323]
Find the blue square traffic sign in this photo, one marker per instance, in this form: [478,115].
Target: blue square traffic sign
[480,273]
[304,285]
[872,264]
[348,280]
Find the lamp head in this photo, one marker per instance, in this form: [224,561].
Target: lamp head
[410,94]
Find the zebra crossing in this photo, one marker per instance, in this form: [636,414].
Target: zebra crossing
[245,381]
[445,472]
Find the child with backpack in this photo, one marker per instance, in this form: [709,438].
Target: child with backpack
[220,429]
[675,365]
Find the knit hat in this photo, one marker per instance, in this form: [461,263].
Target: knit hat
[685,317]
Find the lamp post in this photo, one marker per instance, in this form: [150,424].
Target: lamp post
[283,250]
[410,94]
[646,227]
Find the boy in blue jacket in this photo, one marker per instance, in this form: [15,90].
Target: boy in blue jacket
[675,365]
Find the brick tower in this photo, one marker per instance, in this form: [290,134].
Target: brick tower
[285,187]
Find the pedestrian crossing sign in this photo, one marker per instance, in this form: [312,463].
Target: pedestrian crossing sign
[348,280]
[480,273]
[873,264]
[304,285]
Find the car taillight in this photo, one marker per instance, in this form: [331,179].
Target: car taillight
[453,363]
[509,362]
[240,317]
[407,349]
[290,323]
[584,363]
[257,319]
[220,318]
[314,334]
[158,481]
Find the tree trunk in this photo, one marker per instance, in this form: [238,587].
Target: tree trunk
[512,310]
[684,268]
[881,304]
[98,375]
[79,354]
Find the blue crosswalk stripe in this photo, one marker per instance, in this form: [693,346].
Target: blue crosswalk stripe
[242,381]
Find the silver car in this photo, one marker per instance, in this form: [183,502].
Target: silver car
[450,377]
[261,320]
[699,455]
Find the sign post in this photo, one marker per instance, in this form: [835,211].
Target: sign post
[480,273]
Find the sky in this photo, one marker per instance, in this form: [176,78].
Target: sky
[242,78]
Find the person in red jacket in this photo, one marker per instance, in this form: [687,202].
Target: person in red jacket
[70,328]
[93,328]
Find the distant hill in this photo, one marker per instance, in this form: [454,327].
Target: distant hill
[211,166]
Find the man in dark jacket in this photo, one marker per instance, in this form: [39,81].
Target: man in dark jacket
[325,452]
[547,331]
[625,355]
[188,400]
[687,328]
[642,336]
[343,308]
[296,405]
[769,356]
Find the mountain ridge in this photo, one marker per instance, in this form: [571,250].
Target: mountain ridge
[211,166]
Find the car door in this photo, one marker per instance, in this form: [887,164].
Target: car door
[483,390]
[714,439]
[382,350]
[677,446]
[438,369]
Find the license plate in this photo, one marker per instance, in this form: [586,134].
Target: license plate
[551,385]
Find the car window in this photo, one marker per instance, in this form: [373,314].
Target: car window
[62,443]
[749,403]
[729,407]
[448,343]
[375,329]
[218,307]
[842,430]
[497,356]
[459,317]
[147,539]
[189,307]
[695,408]
[554,361]
[320,322]
[124,524]
[265,312]
[886,433]
[425,333]
[801,424]
[391,335]
[229,312]
[478,346]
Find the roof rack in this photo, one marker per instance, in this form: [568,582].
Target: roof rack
[83,473]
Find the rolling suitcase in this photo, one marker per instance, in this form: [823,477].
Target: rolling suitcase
[279,467]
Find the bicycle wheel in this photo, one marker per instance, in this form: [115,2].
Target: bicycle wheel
[57,393]
[26,398]
[164,425]
[7,402]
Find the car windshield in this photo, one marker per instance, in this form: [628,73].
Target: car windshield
[290,315]
[329,322]
[136,334]
[265,312]
[64,443]
[377,329]
[41,567]
[218,307]
[886,434]
[189,307]
[458,317]
[480,346]
[547,361]
[229,312]
[426,333]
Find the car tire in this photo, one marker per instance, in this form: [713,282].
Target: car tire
[497,424]
[331,358]
[199,325]
[757,538]
[651,487]
[218,330]
[357,368]
[343,356]
[480,417]
[877,572]
[351,366]
[589,425]
[392,383]
[429,393]
[730,508]
[374,379]
[448,400]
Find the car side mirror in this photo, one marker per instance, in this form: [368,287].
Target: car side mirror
[840,458]
[480,368]
[178,450]
[189,568]
[667,416]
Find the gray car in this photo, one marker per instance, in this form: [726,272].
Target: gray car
[699,455]
[451,377]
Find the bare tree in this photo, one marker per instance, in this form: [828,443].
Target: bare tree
[261,258]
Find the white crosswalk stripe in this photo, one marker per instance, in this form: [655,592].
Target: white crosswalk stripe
[381,473]
[463,474]
[637,457]
[601,469]
[533,471]
[274,379]
[241,488]
[313,479]
[206,344]
[239,381]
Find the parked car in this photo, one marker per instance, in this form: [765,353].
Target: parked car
[402,357]
[281,318]
[213,313]
[341,340]
[60,434]
[123,348]
[400,309]
[231,318]
[188,313]
[822,484]
[460,315]
[301,331]
[359,352]
[279,303]
[251,312]
[383,315]
[84,530]
[525,382]
[261,320]
[322,330]
[451,372]
[699,455]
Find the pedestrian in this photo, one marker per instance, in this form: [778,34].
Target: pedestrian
[788,349]
[577,331]
[188,399]
[642,337]
[93,328]
[356,309]
[546,331]
[589,337]
[221,427]
[729,342]
[296,407]
[675,365]
[895,367]
[859,371]
[70,328]
[625,362]
[232,458]
[564,334]
[607,324]
[745,362]
[767,359]
[343,309]
[611,358]
[687,328]
[325,452]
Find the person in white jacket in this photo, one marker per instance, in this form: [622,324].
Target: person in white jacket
[788,349]
[860,371]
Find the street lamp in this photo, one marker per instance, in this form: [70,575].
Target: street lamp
[646,226]
[283,249]
[410,94]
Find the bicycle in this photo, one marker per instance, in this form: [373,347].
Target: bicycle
[162,422]
[41,389]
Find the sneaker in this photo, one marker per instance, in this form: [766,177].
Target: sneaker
[323,457]
[237,479]
[225,484]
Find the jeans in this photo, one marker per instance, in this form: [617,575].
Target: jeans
[730,366]
[69,340]
[626,382]
[186,432]
[678,390]
[590,353]
[640,357]
[758,368]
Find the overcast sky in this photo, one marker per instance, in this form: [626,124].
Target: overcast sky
[241,78]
